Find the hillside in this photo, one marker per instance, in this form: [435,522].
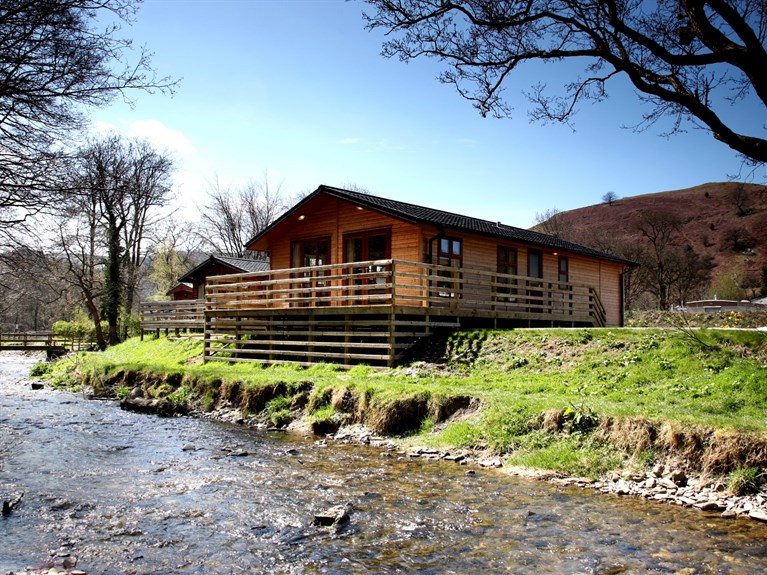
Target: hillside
[727,221]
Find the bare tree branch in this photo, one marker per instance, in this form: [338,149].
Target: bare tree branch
[689,59]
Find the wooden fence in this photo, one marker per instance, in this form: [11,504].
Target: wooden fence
[172,315]
[40,340]
[444,290]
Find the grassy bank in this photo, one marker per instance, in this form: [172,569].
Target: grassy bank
[581,402]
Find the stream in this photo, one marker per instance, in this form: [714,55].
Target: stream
[123,492]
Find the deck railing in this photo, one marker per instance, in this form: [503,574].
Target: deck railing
[175,315]
[43,340]
[454,291]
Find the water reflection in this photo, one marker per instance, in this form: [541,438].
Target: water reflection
[129,493]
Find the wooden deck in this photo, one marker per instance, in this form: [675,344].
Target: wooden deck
[366,312]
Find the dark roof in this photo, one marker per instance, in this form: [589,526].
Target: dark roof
[181,286]
[424,215]
[242,265]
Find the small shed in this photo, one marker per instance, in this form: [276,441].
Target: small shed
[181,291]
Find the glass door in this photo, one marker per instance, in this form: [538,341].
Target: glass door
[366,247]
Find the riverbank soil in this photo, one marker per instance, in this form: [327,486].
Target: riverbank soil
[669,414]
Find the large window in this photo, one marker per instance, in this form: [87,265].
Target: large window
[367,246]
[310,253]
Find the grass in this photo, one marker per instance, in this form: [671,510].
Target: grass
[583,379]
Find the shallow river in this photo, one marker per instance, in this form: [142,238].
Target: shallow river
[124,493]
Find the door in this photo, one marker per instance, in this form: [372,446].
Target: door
[366,247]
[310,254]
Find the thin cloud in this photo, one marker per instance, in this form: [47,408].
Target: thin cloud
[350,141]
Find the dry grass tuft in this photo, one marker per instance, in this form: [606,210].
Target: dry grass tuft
[444,407]
[553,420]
[399,415]
[729,450]
[629,434]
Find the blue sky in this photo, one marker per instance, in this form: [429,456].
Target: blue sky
[298,89]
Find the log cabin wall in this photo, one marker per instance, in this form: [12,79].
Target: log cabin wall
[327,217]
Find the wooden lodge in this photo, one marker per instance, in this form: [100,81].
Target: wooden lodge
[357,278]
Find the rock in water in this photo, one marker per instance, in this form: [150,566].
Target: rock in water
[335,515]
[9,505]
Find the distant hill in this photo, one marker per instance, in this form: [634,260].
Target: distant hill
[727,221]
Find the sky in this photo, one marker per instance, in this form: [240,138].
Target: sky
[296,92]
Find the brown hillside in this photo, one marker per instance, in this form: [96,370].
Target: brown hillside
[728,221]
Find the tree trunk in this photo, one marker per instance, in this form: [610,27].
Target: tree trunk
[112,287]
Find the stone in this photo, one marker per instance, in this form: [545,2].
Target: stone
[335,515]
[650,483]
[758,514]
[37,385]
[711,505]
[188,447]
[667,483]
[457,458]
[622,488]
[658,469]
[679,477]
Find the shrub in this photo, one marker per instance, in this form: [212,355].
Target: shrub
[39,369]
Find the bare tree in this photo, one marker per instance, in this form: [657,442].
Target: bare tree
[80,245]
[668,269]
[609,198]
[688,59]
[57,58]
[175,253]
[148,191]
[114,191]
[232,217]
[553,223]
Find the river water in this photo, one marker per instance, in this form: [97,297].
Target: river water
[126,493]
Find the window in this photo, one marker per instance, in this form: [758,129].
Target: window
[535,270]
[535,264]
[507,260]
[367,246]
[310,253]
[564,270]
[450,252]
